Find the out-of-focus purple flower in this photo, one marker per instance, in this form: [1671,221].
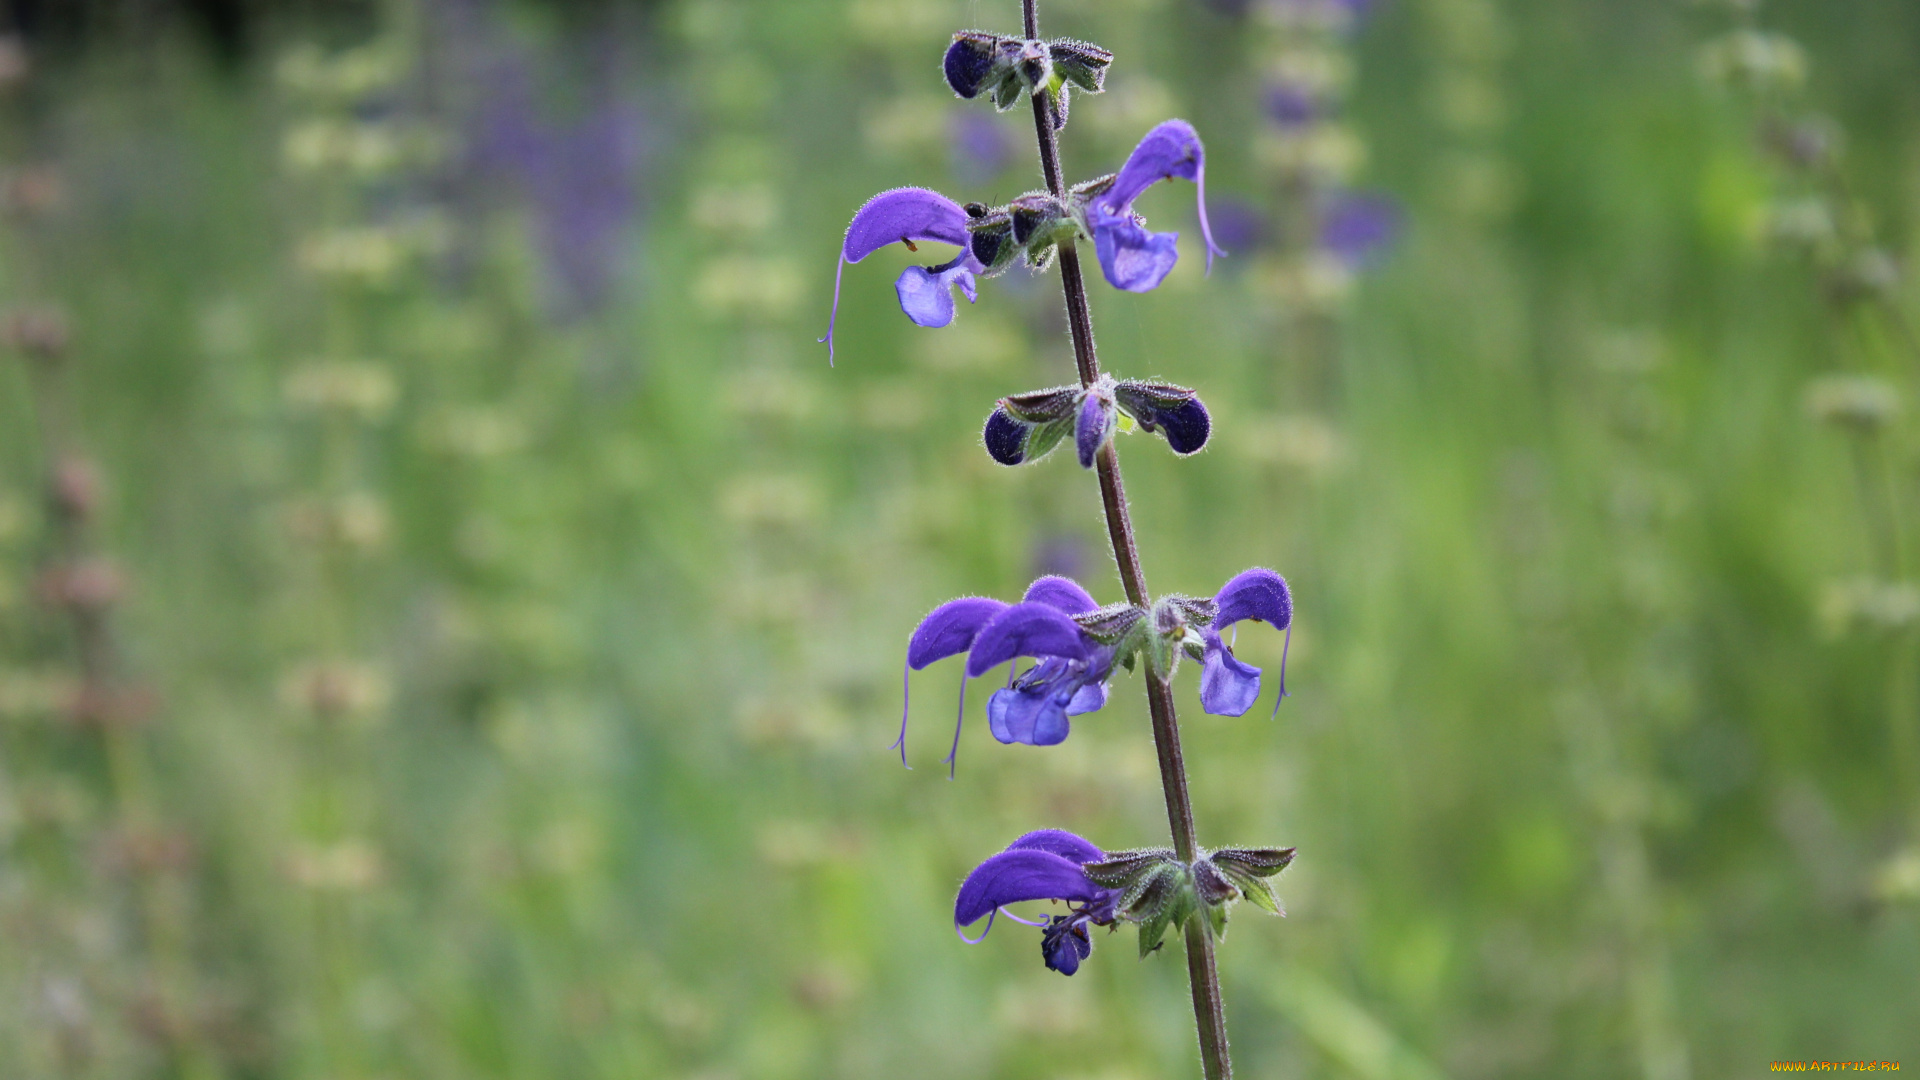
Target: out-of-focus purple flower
[1229,687]
[1290,105]
[1359,227]
[581,174]
[1132,258]
[1069,678]
[1238,223]
[980,146]
[1060,555]
[905,215]
[1043,865]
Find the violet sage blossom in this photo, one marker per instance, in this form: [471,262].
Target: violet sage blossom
[1228,686]
[905,215]
[1132,258]
[1034,224]
[1042,865]
[1068,679]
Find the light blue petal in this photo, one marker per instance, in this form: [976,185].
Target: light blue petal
[927,297]
[1227,686]
[1132,258]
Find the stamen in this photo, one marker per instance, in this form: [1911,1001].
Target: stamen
[1021,921]
[1284,645]
[958,720]
[906,698]
[1200,181]
[911,246]
[983,933]
[839,269]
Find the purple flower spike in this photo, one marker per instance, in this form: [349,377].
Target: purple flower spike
[1133,258]
[1229,687]
[1027,629]
[906,215]
[1044,865]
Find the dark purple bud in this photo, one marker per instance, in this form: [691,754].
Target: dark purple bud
[990,241]
[1006,438]
[950,629]
[1174,411]
[1062,593]
[1094,427]
[1081,63]
[1211,885]
[972,62]
[1027,629]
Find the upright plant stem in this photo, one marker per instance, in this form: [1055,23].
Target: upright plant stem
[1203,973]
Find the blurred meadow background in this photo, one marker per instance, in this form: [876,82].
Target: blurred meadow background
[451,615]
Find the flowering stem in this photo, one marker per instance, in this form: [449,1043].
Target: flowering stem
[1202,972]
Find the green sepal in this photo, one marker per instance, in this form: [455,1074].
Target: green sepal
[1123,869]
[1047,436]
[1248,869]
[1111,624]
[1006,93]
[1081,61]
[1042,406]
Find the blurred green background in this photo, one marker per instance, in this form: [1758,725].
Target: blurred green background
[451,615]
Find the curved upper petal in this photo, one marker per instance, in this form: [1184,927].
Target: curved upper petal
[1013,876]
[950,628]
[1060,842]
[904,214]
[1026,629]
[1132,258]
[1172,149]
[927,296]
[1258,593]
[1060,592]
[1228,687]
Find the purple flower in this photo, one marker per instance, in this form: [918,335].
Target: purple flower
[1132,258]
[1291,105]
[1068,679]
[980,147]
[1043,865]
[1359,227]
[905,215]
[1229,687]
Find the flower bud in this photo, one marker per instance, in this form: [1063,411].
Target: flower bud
[1094,426]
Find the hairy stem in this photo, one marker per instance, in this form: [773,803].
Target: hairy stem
[1203,972]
